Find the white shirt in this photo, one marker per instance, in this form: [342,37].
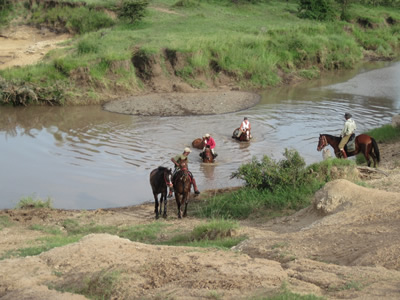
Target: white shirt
[349,127]
[245,125]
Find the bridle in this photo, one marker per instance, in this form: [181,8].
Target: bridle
[167,178]
[322,143]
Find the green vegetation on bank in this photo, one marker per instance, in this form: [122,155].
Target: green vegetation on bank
[214,233]
[254,43]
[275,187]
[386,133]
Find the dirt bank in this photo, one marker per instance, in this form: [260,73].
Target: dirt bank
[25,45]
[344,246]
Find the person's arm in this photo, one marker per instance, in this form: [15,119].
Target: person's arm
[174,161]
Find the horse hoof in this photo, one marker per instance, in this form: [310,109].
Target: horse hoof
[157,216]
[164,216]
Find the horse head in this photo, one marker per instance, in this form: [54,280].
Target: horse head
[245,136]
[207,155]
[322,142]
[168,177]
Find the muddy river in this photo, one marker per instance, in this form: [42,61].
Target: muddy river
[87,158]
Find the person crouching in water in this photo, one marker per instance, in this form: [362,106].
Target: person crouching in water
[177,160]
[209,141]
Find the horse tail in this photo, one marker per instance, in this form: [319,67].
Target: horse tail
[376,149]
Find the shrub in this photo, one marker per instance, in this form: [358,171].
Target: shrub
[29,202]
[321,10]
[133,10]
[272,175]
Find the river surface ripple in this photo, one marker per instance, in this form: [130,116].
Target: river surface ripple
[87,158]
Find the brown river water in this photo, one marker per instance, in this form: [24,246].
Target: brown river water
[87,158]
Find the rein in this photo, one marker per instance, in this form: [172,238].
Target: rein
[323,143]
[167,181]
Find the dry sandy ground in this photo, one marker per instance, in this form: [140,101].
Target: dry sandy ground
[25,45]
[345,246]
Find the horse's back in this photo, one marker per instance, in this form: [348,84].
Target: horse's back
[363,139]
[198,143]
[156,180]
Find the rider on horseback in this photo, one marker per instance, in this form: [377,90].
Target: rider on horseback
[244,126]
[177,162]
[348,130]
[210,142]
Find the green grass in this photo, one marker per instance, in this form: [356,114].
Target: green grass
[257,202]
[386,133]
[251,42]
[215,233]
[31,202]
[98,286]
[285,294]
[5,222]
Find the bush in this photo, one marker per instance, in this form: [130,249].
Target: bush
[321,10]
[29,202]
[133,10]
[272,175]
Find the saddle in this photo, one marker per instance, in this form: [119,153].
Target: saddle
[351,144]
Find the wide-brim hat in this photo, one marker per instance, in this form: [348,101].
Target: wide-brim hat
[207,135]
[187,149]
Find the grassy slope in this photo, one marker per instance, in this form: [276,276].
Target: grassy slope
[257,45]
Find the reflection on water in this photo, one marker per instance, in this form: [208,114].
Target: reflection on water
[84,157]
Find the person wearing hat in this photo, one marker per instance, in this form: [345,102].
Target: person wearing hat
[177,162]
[209,142]
[244,126]
[348,130]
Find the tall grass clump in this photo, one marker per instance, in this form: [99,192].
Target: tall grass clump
[78,19]
[217,233]
[31,202]
[386,133]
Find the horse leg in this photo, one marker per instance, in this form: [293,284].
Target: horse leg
[186,204]
[165,206]
[156,205]
[178,204]
[366,151]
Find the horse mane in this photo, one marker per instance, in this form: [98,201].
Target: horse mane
[161,168]
[331,136]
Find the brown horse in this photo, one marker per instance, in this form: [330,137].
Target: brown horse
[207,155]
[199,143]
[160,178]
[182,185]
[364,144]
[244,137]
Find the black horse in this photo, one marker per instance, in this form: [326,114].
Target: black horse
[160,179]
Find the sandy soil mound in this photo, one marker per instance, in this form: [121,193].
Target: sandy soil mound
[147,270]
[182,104]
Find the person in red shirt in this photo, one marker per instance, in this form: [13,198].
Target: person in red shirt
[209,141]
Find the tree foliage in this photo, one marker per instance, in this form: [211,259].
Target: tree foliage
[321,10]
[133,10]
